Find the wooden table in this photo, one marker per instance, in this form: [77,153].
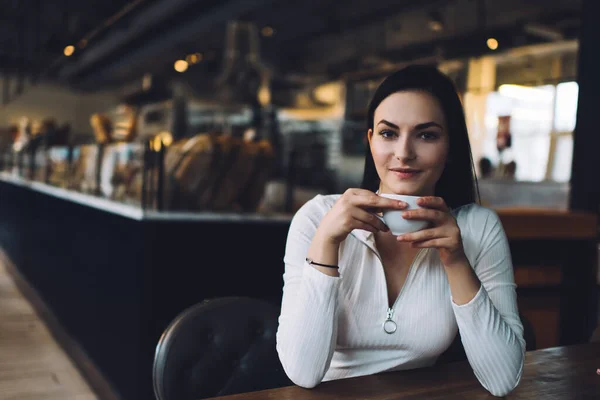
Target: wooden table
[558,373]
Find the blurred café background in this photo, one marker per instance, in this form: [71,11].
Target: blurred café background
[153,153]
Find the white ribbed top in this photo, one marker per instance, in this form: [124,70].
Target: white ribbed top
[332,327]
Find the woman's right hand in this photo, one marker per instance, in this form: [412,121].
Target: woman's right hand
[355,209]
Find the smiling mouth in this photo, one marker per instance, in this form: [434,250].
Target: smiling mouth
[405,170]
[405,173]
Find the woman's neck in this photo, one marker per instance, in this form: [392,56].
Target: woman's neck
[389,247]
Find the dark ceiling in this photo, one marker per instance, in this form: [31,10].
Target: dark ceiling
[33,33]
[119,41]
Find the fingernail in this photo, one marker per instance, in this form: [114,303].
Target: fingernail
[402,204]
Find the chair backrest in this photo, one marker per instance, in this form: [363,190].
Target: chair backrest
[219,347]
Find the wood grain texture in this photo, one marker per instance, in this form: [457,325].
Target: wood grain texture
[561,373]
[32,365]
[538,275]
[532,223]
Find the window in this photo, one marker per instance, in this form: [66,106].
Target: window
[542,120]
[566,106]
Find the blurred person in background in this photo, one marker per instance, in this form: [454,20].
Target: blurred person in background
[486,168]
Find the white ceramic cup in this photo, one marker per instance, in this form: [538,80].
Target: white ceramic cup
[394,220]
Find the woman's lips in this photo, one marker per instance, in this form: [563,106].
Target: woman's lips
[405,174]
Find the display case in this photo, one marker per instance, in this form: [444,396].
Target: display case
[84,169]
[122,171]
[188,156]
[54,166]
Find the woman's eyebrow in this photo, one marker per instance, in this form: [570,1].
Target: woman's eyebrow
[426,125]
[388,123]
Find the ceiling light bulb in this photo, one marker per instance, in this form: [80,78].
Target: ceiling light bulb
[194,58]
[69,50]
[267,31]
[181,65]
[435,22]
[492,43]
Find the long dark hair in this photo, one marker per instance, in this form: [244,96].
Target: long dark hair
[458,183]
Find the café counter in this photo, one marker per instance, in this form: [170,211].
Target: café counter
[111,276]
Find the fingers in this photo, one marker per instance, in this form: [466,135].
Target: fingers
[426,214]
[422,236]
[367,199]
[370,219]
[364,226]
[433,202]
[358,192]
[432,244]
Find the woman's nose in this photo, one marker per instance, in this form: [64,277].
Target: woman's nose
[404,150]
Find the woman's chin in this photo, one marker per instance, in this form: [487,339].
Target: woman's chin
[407,193]
[404,190]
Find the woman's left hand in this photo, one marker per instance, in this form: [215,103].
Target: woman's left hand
[443,233]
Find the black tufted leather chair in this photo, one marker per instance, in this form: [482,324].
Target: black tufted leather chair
[456,351]
[219,347]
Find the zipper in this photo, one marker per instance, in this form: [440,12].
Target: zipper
[389,325]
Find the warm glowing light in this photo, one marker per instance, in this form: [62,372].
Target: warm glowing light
[156,144]
[329,93]
[147,82]
[69,50]
[181,65]
[267,31]
[165,137]
[436,26]
[194,58]
[492,43]
[264,95]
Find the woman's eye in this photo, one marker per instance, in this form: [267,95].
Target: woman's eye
[387,134]
[429,135]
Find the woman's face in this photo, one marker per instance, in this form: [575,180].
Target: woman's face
[409,142]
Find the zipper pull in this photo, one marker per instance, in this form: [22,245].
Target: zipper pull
[389,326]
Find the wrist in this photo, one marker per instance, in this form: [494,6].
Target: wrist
[464,283]
[324,251]
[455,260]
[326,240]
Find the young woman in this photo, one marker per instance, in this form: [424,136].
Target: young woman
[358,300]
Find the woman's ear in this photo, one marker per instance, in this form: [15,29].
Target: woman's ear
[370,135]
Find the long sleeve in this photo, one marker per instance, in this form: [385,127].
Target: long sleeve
[307,330]
[489,325]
